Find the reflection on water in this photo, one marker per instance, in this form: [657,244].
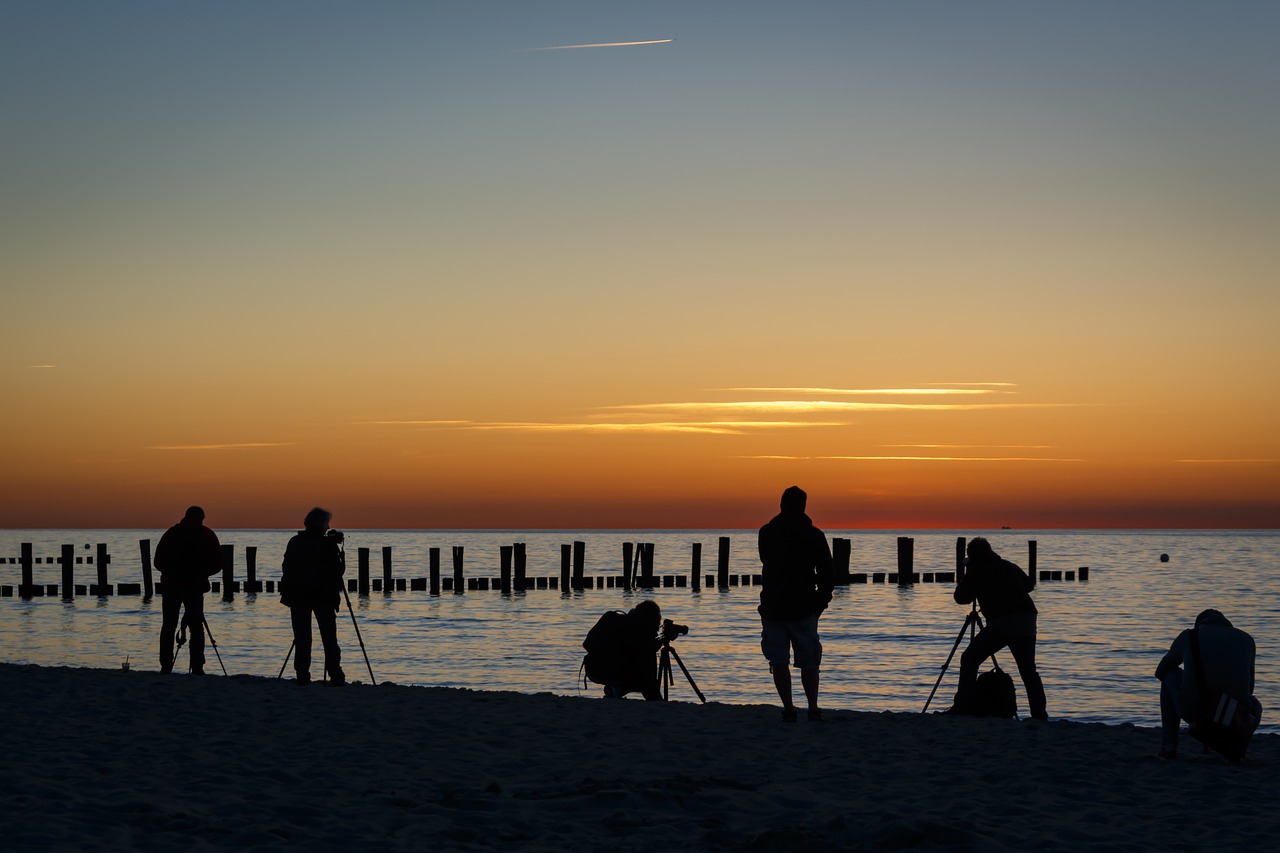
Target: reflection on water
[1099,641]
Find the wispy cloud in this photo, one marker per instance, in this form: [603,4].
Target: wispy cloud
[919,458]
[865,392]
[707,427]
[604,44]
[814,406]
[241,446]
[40,366]
[976,446]
[411,423]
[1228,461]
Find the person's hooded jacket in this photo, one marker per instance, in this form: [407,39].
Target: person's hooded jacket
[311,574]
[1227,654]
[187,555]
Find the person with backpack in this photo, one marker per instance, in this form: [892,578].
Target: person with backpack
[1002,591]
[311,584]
[622,651]
[187,555]
[798,578]
[1224,656]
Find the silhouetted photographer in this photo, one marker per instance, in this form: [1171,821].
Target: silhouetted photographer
[187,555]
[1001,590]
[311,585]
[622,650]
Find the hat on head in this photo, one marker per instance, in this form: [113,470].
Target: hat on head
[194,512]
[794,499]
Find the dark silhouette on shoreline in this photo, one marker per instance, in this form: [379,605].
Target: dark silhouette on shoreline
[186,556]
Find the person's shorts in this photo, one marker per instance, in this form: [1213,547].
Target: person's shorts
[779,638]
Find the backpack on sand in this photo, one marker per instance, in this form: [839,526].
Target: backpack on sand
[993,695]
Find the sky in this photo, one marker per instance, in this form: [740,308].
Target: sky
[640,265]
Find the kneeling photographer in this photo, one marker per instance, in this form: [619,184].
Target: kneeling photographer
[622,648]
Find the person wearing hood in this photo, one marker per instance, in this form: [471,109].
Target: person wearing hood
[1002,591]
[187,555]
[311,584]
[1227,655]
[798,579]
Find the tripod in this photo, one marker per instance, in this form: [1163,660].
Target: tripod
[972,624]
[182,638]
[665,676]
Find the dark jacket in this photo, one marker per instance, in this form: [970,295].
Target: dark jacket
[1227,655]
[798,573]
[187,555]
[312,571]
[1001,588]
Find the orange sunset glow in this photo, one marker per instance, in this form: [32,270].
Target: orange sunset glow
[995,267]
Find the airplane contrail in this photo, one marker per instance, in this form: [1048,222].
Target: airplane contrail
[604,44]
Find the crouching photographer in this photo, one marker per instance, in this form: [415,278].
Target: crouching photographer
[622,648]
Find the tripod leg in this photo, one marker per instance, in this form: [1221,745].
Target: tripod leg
[213,643]
[968,621]
[286,660]
[685,670]
[356,625]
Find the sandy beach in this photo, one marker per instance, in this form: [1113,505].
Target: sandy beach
[101,759]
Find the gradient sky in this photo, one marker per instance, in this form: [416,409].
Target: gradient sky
[943,264]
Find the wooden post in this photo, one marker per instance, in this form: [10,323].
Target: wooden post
[565,556]
[433,557]
[960,555]
[104,586]
[906,559]
[519,555]
[68,561]
[646,565]
[250,569]
[1031,561]
[627,548]
[228,563]
[148,587]
[458,586]
[579,563]
[386,570]
[722,566]
[841,549]
[24,588]
[362,571]
[504,568]
[695,570]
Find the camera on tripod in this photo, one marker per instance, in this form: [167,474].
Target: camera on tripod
[671,630]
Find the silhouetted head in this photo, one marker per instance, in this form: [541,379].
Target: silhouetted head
[317,519]
[794,499]
[194,513]
[648,612]
[980,551]
[1212,617]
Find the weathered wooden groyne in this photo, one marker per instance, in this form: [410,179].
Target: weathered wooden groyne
[635,572]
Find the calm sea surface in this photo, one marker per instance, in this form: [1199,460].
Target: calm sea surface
[884,646]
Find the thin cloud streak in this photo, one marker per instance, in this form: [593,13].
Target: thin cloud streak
[872,391]
[244,446]
[603,44]
[1227,461]
[813,406]
[710,427]
[918,458]
[976,446]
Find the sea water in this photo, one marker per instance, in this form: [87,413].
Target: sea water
[884,645]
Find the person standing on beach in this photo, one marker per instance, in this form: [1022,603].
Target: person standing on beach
[798,579]
[311,583]
[186,556]
[1001,589]
[1227,658]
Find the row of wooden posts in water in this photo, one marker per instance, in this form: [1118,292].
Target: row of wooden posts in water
[637,572]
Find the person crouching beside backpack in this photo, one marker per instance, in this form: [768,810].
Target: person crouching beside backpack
[622,652]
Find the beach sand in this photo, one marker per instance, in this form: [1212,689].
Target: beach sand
[114,760]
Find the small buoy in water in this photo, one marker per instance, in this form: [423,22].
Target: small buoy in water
[1164,558]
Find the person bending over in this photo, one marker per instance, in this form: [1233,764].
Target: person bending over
[311,584]
[621,651]
[1001,589]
